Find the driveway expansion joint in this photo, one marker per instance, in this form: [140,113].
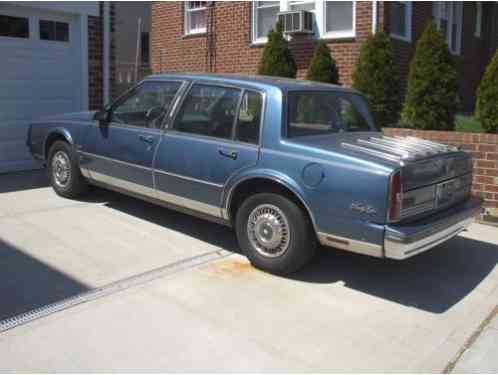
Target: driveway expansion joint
[112,288]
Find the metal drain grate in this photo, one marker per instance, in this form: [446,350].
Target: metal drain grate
[111,288]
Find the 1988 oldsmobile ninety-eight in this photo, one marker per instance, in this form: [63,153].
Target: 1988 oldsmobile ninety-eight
[289,164]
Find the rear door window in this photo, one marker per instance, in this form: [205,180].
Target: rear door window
[249,119]
[209,110]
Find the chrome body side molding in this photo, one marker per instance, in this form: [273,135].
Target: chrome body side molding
[355,246]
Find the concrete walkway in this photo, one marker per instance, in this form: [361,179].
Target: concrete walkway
[345,312]
[482,354]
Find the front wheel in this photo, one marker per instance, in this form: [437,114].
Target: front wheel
[275,233]
[64,172]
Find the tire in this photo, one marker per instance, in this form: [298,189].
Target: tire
[62,159]
[274,233]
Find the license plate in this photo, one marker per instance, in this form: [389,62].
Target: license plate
[449,191]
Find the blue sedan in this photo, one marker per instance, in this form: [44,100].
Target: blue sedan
[289,164]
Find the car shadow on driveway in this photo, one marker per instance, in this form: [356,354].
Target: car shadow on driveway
[10,182]
[26,283]
[433,281]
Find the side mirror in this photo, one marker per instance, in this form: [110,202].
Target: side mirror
[102,116]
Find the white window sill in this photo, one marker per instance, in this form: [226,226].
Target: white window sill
[338,35]
[195,32]
[401,37]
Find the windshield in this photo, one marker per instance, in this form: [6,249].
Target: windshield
[323,112]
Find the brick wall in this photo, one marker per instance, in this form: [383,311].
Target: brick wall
[233,52]
[474,54]
[95,36]
[484,151]
[95,58]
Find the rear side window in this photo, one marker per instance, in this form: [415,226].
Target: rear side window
[322,112]
[209,110]
[14,27]
[249,119]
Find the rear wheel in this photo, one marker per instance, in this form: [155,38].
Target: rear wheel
[275,234]
[64,172]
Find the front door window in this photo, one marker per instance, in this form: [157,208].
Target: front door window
[146,105]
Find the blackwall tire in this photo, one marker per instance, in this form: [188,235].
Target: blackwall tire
[64,171]
[275,233]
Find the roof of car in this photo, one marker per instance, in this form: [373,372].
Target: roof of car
[253,80]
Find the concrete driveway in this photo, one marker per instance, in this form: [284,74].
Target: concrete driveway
[131,286]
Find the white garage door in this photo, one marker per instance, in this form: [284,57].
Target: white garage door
[39,75]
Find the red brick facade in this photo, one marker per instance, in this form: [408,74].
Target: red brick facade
[229,38]
[484,150]
[232,51]
[95,58]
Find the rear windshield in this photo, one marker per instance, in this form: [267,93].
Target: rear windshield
[323,112]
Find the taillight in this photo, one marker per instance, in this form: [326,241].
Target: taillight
[395,197]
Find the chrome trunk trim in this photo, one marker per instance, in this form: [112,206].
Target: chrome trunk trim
[398,149]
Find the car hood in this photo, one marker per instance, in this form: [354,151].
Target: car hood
[73,116]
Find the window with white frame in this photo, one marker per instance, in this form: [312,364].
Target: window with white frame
[264,19]
[332,19]
[400,17]
[477,32]
[339,19]
[195,17]
[448,18]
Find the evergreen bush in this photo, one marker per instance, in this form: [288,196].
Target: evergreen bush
[322,67]
[277,59]
[376,76]
[487,97]
[431,97]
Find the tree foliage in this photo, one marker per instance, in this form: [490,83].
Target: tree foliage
[376,76]
[277,59]
[431,97]
[323,67]
[487,97]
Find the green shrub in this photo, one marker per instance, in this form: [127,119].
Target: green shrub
[376,76]
[323,67]
[487,98]
[431,97]
[277,58]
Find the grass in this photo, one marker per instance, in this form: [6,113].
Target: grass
[467,124]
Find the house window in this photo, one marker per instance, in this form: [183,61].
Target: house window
[144,47]
[448,18]
[401,20]
[477,32]
[14,27]
[264,19]
[308,5]
[195,17]
[339,19]
[51,30]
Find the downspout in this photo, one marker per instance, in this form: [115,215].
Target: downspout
[106,52]
[374,16]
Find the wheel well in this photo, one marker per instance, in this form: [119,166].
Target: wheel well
[261,185]
[51,140]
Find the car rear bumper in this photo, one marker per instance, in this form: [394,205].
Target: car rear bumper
[406,240]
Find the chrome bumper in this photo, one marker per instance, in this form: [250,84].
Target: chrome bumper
[400,245]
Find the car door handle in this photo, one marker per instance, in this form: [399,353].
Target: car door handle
[228,153]
[146,139]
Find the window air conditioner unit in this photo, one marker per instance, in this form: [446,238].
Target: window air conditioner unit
[296,22]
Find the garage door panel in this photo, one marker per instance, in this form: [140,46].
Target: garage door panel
[38,78]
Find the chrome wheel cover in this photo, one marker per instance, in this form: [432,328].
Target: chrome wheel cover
[61,169]
[268,230]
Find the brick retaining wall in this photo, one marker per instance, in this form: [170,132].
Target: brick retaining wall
[484,150]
